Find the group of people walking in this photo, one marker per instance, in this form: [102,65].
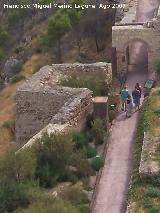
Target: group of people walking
[131,102]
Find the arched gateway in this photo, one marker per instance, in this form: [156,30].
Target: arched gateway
[146,36]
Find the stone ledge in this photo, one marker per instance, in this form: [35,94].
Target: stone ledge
[50,128]
[148,165]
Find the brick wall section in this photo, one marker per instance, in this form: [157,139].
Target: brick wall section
[40,101]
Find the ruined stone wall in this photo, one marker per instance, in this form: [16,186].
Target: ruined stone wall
[99,69]
[36,109]
[40,101]
[74,113]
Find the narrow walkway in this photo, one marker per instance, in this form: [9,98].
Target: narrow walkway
[115,175]
[113,187]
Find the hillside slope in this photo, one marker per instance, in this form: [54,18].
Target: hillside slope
[34,56]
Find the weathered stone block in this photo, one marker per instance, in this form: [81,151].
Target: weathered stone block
[100,107]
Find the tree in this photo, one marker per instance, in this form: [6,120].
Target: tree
[58,25]
[16,170]
[17,167]
[98,24]
[54,154]
[75,16]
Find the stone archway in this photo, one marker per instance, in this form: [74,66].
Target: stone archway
[148,34]
[136,55]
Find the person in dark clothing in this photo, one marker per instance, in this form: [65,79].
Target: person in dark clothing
[136,95]
[129,106]
[139,88]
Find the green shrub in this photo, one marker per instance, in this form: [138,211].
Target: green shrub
[95,84]
[89,120]
[17,78]
[89,136]
[68,175]
[13,196]
[13,19]
[154,210]
[155,181]
[147,203]
[18,167]
[80,139]
[90,152]
[4,38]
[51,205]
[84,208]
[2,56]
[97,163]
[75,195]
[53,150]
[44,43]
[98,131]
[8,124]
[152,192]
[17,16]
[84,169]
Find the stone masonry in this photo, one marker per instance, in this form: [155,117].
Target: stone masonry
[41,101]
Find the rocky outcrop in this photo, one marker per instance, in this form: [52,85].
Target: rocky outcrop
[11,67]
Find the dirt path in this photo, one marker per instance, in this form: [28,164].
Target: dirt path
[114,181]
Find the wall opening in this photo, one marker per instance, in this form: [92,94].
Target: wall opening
[137,57]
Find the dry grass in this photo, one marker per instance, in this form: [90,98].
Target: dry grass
[4,139]
[7,102]
[34,60]
[41,28]
[155,102]
[7,113]
[7,98]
